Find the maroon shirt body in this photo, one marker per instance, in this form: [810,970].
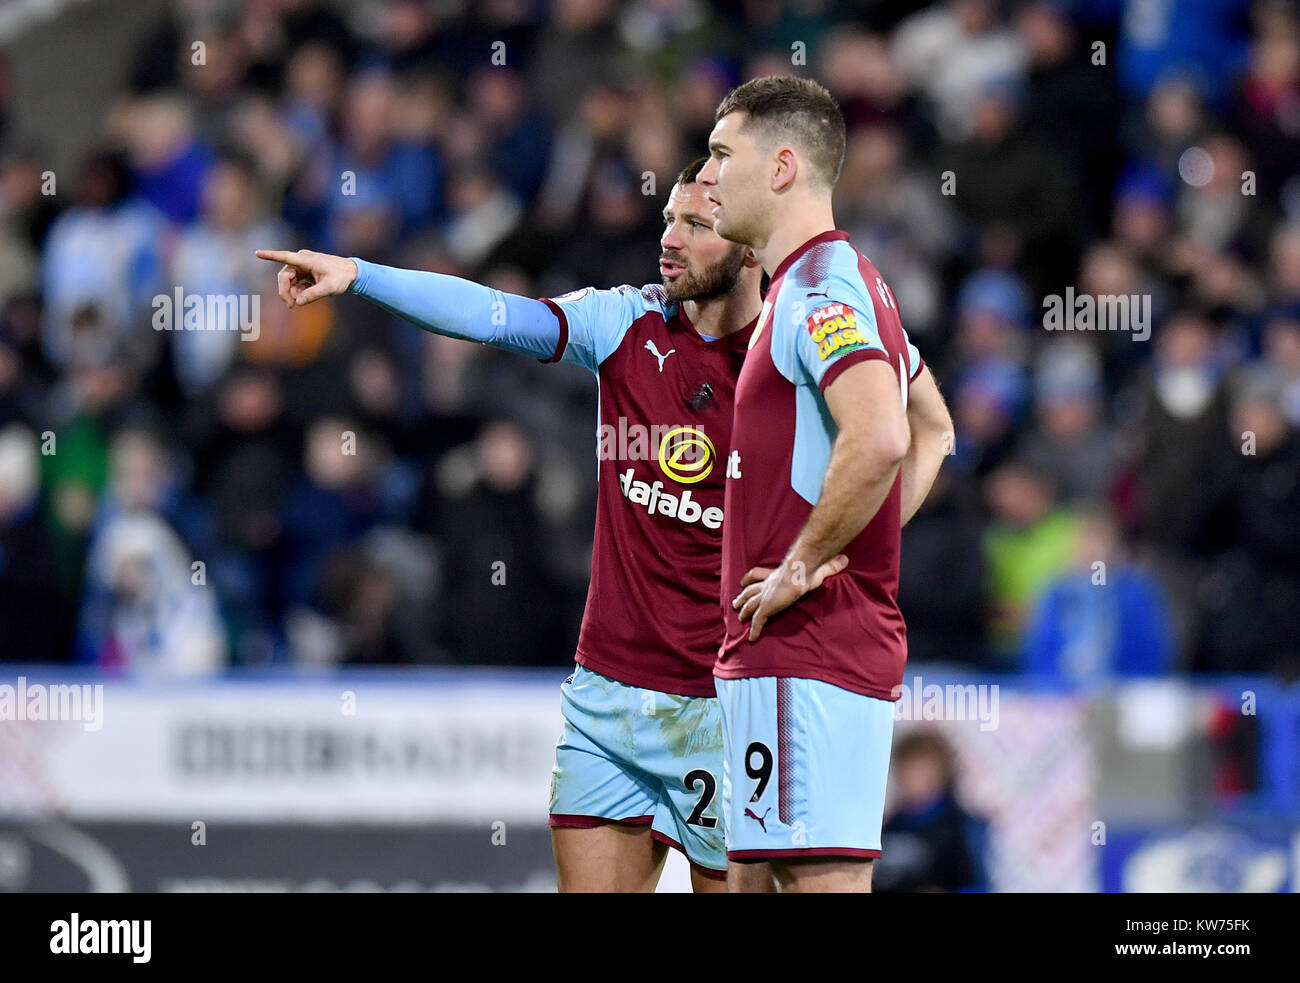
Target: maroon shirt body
[666,400]
[827,308]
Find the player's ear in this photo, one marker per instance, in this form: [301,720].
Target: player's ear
[750,260]
[786,169]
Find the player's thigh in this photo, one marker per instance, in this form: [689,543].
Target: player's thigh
[610,857]
[603,802]
[679,743]
[806,765]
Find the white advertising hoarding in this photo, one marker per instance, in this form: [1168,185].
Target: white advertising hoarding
[353,749]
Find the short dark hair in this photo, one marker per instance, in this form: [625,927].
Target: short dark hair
[799,107]
[691,172]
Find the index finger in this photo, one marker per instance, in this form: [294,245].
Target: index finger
[754,575]
[289,256]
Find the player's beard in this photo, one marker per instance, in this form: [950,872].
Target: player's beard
[712,281]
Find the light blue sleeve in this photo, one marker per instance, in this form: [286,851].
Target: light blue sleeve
[595,321]
[459,308]
[914,361]
[830,330]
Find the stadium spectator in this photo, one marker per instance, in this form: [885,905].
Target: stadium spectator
[1267,102]
[25,203]
[1181,428]
[992,312]
[929,841]
[34,622]
[245,455]
[349,486]
[951,51]
[495,574]
[1029,541]
[18,256]
[1284,264]
[577,45]
[378,594]
[1071,105]
[145,608]
[1012,190]
[1281,348]
[1252,596]
[943,576]
[102,264]
[1202,40]
[24,374]
[144,478]
[1071,443]
[986,404]
[214,258]
[1102,619]
[168,157]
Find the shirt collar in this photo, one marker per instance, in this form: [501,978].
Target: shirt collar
[827,236]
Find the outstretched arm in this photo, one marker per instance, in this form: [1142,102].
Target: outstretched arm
[446,305]
[932,437]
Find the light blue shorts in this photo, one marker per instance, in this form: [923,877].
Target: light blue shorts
[804,770]
[638,756]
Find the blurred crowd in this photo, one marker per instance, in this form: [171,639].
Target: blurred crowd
[339,486]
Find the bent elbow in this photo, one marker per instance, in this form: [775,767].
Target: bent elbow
[875,449]
[890,449]
[894,458]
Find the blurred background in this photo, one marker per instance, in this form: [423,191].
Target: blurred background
[1112,551]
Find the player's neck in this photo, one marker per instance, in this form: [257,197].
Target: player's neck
[724,315]
[802,220]
[721,316]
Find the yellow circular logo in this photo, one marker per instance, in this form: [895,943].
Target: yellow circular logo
[686,455]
